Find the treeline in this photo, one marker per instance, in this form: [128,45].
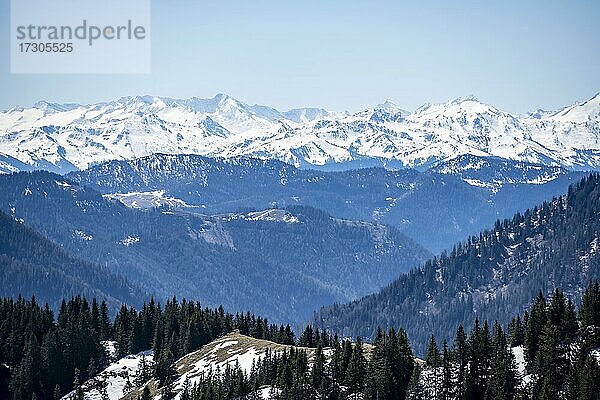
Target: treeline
[44,358]
[552,351]
[555,342]
[349,370]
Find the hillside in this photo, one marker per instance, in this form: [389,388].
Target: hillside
[490,276]
[31,265]
[231,351]
[281,263]
[435,209]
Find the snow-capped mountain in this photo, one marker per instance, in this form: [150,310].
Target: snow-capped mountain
[64,137]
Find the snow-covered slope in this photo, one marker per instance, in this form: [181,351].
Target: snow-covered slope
[233,349]
[145,200]
[494,172]
[119,378]
[64,137]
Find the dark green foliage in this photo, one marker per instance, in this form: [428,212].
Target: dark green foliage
[44,354]
[355,373]
[502,381]
[516,332]
[49,358]
[390,367]
[480,348]
[536,321]
[589,315]
[432,358]
[480,365]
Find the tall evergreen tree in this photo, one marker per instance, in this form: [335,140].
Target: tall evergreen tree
[503,380]
[355,374]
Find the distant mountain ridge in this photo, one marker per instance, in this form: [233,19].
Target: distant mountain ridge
[436,207]
[67,137]
[284,263]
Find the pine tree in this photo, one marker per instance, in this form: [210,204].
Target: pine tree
[479,350]
[535,323]
[318,369]
[415,390]
[433,362]
[355,376]
[447,389]
[503,380]
[27,378]
[548,363]
[461,354]
[432,358]
[164,370]
[77,386]
[379,383]
[307,339]
[516,332]
[589,380]
[403,364]
[185,391]
[589,315]
[91,372]
[146,394]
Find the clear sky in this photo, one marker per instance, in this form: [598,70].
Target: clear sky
[343,55]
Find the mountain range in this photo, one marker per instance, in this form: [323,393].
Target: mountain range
[67,137]
[203,198]
[436,207]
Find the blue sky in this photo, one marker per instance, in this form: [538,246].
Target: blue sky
[342,55]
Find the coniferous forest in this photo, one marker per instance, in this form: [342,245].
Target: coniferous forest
[492,275]
[291,200]
[44,357]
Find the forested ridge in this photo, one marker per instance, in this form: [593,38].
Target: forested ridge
[30,264]
[44,356]
[218,260]
[490,276]
[435,209]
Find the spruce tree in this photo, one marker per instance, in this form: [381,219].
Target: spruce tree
[535,323]
[355,376]
[589,380]
[503,380]
[404,364]
[416,390]
[379,383]
[317,374]
[447,385]
[461,355]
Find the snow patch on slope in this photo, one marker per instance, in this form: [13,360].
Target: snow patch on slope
[115,379]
